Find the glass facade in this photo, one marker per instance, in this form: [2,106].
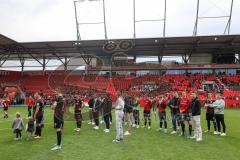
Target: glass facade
[203,71]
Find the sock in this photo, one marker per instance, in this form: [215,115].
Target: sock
[215,126]
[161,124]
[183,128]
[165,124]
[40,131]
[190,130]
[59,137]
[36,132]
[208,124]
[78,124]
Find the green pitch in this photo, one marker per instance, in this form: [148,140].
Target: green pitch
[143,144]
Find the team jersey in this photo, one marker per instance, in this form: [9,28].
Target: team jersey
[59,110]
[162,105]
[91,103]
[30,102]
[174,103]
[39,103]
[184,104]
[147,105]
[6,103]
[78,104]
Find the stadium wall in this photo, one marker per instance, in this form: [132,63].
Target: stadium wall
[202,58]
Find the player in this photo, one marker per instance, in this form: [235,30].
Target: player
[184,114]
[6,103]
[29,103]
[107,109]
[77,112]
[147,112]
[91,103]
[161,105]
[95,111]
[58,107]
[174,105]
[38,110]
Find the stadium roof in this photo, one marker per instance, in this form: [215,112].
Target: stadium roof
[168,46]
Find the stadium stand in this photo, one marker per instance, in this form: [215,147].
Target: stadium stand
[81,84]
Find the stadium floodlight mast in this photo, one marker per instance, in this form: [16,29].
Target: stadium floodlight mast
[149,20]
[91,23]
[228,26]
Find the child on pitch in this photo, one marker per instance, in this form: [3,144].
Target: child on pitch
[18,126]
[6,103]
[30,128]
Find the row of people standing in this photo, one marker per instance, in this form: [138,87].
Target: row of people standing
[184,109]
[96,105]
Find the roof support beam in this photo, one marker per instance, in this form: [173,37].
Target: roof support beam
[237,58]
[65,63]
[59,58]
[186,58]
[22,61]
[160,59]
[36,59]
[2,63]
[87,59]
[44,64]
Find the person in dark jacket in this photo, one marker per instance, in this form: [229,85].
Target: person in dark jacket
[174,105]
[58,107]
[95,111]
[77,113]
[107,109]
[90,106]
[196,117]
[128,107]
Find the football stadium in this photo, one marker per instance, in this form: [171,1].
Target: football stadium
[120,79]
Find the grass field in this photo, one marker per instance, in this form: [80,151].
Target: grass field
[143,144]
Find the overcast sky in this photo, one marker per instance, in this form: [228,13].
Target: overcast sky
[50,20]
